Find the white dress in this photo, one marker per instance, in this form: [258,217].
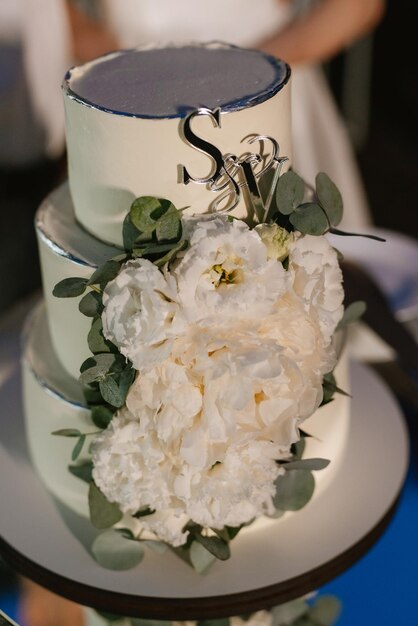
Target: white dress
[320,140]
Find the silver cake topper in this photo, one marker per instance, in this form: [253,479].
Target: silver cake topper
[232,175]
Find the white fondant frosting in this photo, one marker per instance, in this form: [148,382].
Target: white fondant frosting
[52,401]
[66,250]
[114,157]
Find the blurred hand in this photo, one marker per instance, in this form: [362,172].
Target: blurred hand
[40,607]
[90,39]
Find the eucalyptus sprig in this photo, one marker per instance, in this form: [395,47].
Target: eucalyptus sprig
[74,433]
[316,216]
[153,229]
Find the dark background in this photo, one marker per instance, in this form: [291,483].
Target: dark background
[389,156]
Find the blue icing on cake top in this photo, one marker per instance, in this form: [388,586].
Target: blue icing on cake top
[172,81]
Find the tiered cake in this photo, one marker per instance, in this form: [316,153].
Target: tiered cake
[201,127]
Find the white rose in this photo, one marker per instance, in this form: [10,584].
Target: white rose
[141,315]
[317,279]
[226,273]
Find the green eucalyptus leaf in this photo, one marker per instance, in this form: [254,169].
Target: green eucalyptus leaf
[103,513]
[95,339]
[172,253]
[200,558]
[343,233]
[101,416]
[120,363]
[67,432]
[111,392]
[289,192]
[87,364]
[169,226]
[329,388]
[91,304]
[70,287]
[352,313]
[329,384]
[233,530]
[92,374]
[313,465]
[78,448]
[304,434]
[222,533]
[126,379]
[117,550]
[298,448]
[294,490]
[148,622]
[92,394]
[225,621]
[156,546]
[309,219]
[82,471]
[105,361]
[129,233]
[152,248]
[142,213]
[330,198]
[325,611]
[105,273]
[289,612]
[102,363]
[216,546]
[110,617]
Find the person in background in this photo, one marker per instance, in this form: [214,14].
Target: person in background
[34,54]
[40,39]
[304,34]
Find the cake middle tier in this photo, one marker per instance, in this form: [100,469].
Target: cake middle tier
[66,250]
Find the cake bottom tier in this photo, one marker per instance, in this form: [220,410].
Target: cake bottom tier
[53,401]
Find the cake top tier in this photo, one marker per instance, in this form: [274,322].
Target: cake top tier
[172,81]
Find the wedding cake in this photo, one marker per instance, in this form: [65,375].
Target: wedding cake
[187,336]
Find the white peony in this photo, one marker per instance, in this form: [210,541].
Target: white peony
[231,351]
[136,470]
[226,273]
[131,468]
[167,399]
[235,491]
[317,279]
[141,315]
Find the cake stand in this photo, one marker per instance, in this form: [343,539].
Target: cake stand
[294,555]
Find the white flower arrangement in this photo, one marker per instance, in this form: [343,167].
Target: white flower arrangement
[211,344]
[230,350]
